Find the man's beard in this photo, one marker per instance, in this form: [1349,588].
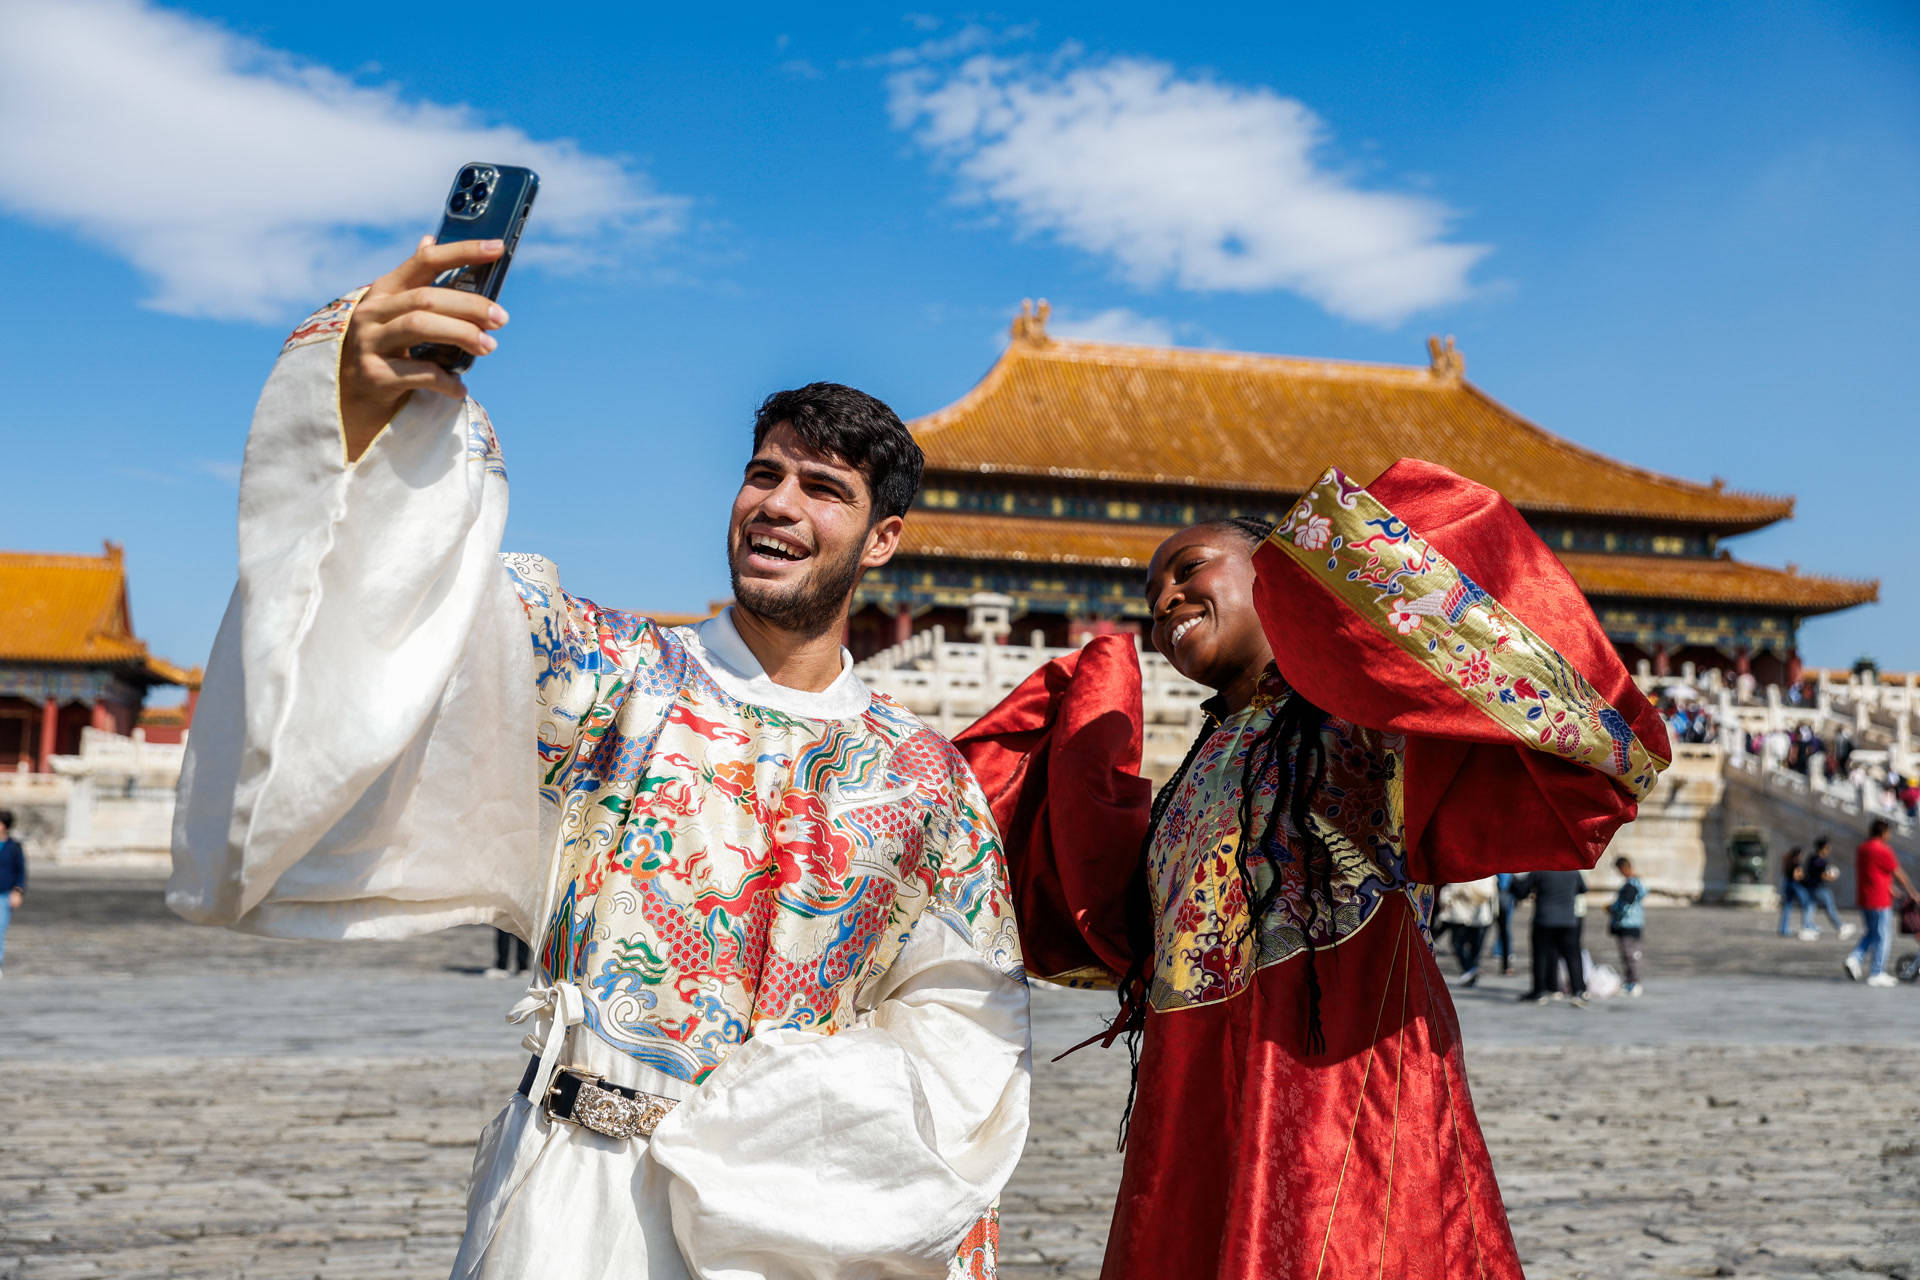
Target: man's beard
[809,607]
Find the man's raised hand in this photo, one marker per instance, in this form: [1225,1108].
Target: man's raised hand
[401,309]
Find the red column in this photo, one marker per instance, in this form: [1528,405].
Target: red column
[1793,666]
[101,717]
[1743,661]
[902,624]
[1662,663]
[49,730]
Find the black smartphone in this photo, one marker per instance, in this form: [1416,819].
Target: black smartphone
[488,202]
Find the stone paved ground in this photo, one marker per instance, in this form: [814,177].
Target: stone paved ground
[180,1102]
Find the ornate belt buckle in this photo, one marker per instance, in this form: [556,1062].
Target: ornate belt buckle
[606,1112]
[619,1117]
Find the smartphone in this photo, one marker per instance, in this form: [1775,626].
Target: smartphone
[488,202]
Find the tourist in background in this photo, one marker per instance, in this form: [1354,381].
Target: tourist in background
[13,877]
[1503,938]
[1817,875]
[1794,894]
[1555,935]
[1875,870]
[1626,921]
[1466,910]
[509,954]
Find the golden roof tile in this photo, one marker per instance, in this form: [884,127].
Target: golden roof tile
[1717,581]
[1253,423]
[73,610]
[960,535]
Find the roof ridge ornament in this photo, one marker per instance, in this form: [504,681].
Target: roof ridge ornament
[1031,324]
[1444,360]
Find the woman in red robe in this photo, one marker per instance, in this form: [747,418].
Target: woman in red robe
[1443,706]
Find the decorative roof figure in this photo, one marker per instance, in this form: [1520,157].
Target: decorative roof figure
[1031,324]
[1444,360]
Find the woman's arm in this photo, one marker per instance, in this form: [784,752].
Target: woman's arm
[1424,605]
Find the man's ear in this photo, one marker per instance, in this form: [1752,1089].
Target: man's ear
[882,541]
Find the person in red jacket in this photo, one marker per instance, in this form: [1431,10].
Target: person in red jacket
[1875,868]
[1408,690]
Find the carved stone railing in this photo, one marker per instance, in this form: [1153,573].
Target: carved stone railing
[950,685]
[1841,797]
[121,797]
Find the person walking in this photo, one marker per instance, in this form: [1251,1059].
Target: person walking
[1876,867]
[1626,921]
[1466,911]
[1555,935]
[1794,894]
[13,877]
[1817,875]
[510,955]
[1503,925]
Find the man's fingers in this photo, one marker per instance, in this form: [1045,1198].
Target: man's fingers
[402,332]
[424,375]
[430,259]
[458,303]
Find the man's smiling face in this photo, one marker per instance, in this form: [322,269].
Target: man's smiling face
[801,534]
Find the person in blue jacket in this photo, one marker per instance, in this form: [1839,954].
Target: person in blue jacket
[1626,921]
[13,877]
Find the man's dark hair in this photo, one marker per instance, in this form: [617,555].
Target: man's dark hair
[1879,828]
[857,429]
[6,817]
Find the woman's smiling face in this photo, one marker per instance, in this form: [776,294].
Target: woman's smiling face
[1200,592]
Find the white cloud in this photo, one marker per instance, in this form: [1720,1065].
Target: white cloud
[1209,186]
[245,183]
[1115,324]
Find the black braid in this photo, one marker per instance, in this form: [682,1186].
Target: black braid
[1291,749]
[1134,985]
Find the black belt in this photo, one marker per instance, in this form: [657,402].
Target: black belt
[593,1102]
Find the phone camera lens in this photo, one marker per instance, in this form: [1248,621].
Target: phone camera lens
[469,176]
[479,194]
[458,204]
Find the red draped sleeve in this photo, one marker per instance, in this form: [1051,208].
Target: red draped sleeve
[1422,604]
[1059,760]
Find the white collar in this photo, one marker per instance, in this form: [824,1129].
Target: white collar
[717,646]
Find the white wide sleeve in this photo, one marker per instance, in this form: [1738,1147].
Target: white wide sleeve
[362,761]
[872,1152]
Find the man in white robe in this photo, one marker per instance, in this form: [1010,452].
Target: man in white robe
[780,1019]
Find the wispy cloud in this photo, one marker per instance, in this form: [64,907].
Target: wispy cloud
[1114,324]
[968,38]
[244,182]
[1178,179]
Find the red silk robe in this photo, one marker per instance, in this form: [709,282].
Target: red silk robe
[1478,720]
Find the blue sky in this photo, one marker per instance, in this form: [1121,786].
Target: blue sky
[1681,234]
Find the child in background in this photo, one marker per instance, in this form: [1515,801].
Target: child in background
[1626,920]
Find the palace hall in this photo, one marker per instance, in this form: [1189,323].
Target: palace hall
[69,659]
[1053,480]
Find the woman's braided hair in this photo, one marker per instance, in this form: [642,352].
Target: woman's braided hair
[1290,751]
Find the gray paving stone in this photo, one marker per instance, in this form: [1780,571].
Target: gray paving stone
[179,1102]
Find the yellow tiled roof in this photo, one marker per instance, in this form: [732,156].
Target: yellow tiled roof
[1209,419]
[969,536]
[73,610]
[1714,581]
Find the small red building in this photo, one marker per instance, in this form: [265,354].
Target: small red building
[69,659]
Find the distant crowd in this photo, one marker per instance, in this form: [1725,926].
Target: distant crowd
[1800,749]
